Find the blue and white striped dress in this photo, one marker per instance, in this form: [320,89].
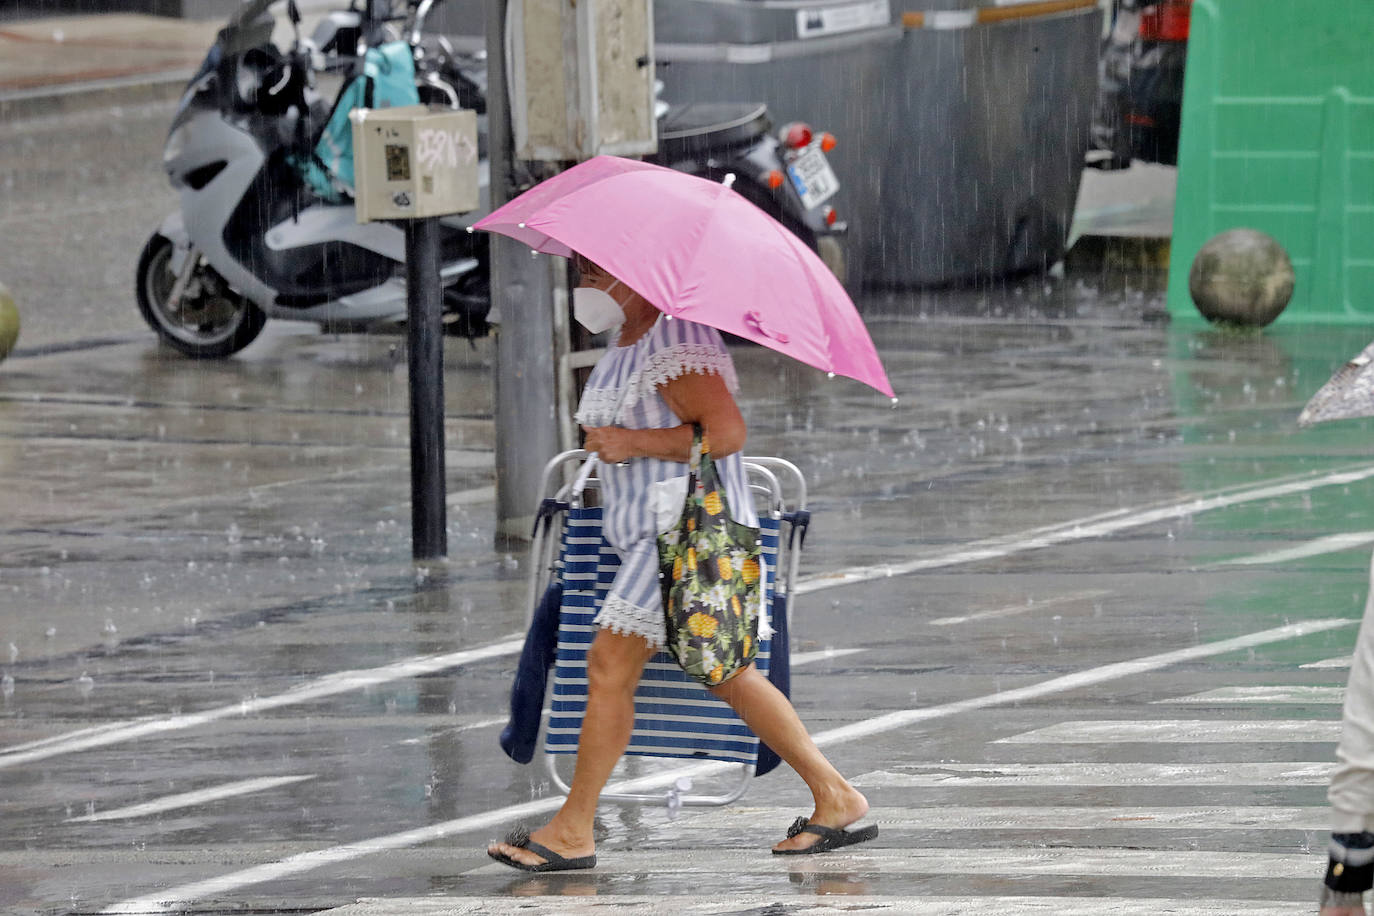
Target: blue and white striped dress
[671,348]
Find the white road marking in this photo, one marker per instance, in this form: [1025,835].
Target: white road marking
[1014,609]
[1076,681]
[340,682]
[820,655]
[1095,526]
[1081,529]
[1312,773]
[178,897]
[117,732]
[1343,662]
[631,905]
[1295,693]
[1015,817]
[471,726]
[798,660]
[1175,731]
[67,736]
[955,861]
[190,799]
[1332,544]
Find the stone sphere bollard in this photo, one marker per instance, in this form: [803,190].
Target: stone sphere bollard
[1241,276]
[9,322]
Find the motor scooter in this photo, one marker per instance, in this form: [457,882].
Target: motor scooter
[252,239]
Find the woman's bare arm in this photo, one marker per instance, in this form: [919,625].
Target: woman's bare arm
[696,398]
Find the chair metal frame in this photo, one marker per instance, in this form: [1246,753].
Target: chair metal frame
[777,484]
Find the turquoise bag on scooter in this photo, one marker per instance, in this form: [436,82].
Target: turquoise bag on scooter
[387,81]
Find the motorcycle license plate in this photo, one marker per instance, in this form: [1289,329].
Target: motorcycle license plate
[813,178]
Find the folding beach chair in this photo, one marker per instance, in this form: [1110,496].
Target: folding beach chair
[674,715]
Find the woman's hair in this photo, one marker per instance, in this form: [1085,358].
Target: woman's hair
[584,265]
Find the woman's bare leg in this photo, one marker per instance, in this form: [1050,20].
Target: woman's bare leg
[770,715]
[614,665]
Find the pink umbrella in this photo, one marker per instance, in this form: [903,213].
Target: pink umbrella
[700,251]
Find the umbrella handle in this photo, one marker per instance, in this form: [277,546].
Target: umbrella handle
[754,321]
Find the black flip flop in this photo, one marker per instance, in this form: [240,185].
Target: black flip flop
[520,839]
[830,837]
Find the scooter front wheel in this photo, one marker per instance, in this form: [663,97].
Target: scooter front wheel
[210,321]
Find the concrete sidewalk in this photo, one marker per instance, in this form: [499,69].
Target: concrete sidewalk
[64,63]
[45,54]
[48,66]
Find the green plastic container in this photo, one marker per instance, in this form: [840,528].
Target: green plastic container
[1278,135]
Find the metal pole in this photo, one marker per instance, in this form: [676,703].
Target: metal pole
[425,340]
[522,294]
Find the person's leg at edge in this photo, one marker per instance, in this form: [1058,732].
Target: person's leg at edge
[614,665]
[770,715]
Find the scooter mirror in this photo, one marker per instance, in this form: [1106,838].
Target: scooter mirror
[293,12]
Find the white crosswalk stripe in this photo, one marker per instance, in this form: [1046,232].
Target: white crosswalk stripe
[1071,809]
[958,861]
[1312,773]
[630,905]
[1184,731]
[1088,842]
[1344,661]
[744,818]
[1261,695]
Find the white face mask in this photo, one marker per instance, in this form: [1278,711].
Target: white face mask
[596,310]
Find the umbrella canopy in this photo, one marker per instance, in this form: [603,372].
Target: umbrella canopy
[697,250]
[1349,393]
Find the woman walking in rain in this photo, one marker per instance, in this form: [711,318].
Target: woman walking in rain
[660,378]
[659,246]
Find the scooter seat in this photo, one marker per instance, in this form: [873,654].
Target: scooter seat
[687,130]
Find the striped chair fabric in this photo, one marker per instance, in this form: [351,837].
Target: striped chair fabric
[674,715]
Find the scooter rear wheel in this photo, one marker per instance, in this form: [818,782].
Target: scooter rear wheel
[211,321]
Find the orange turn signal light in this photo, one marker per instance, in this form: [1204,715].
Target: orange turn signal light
[828,142]
[775,179]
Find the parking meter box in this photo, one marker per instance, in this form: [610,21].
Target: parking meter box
[414,162]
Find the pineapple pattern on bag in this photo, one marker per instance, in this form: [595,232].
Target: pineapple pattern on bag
[710,572]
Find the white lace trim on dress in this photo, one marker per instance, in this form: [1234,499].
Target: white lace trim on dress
[679,359]
[620,616]
[598,404]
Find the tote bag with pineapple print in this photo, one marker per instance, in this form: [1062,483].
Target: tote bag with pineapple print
[712,580]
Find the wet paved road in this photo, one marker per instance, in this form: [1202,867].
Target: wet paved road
[1074,616]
